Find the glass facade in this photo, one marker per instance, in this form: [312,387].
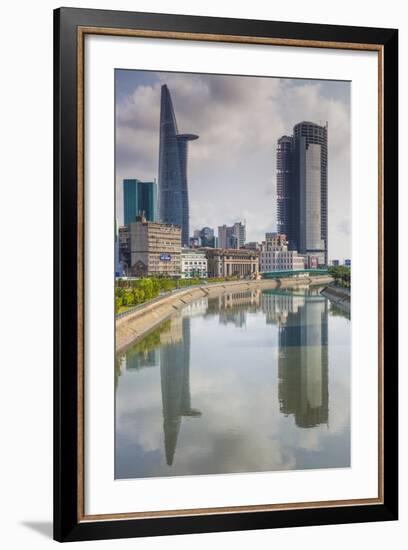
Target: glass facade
[284,183]
[302,189]
[139,197]
[173,185]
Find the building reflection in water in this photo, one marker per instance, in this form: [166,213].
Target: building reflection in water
[303,355]
[232,307]
[302,323]
[139,360]
[175,381]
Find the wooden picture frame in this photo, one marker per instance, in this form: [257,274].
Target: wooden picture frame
[70,28]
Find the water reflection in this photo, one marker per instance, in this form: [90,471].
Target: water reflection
[175,382]
[265,365]
[303,364]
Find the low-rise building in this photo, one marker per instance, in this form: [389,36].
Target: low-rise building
[155,248]
[124,249]
[275,256]
[228,262]
[193,264]
[252,245]
[311,261]
[276,239]
[280,260]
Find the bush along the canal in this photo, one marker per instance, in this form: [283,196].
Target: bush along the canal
[133,292]
[341,275]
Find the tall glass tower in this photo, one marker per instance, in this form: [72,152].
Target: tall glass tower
[284,184]
[302,189]
[173,186]
[139,197]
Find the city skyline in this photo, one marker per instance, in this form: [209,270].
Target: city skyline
[233,141]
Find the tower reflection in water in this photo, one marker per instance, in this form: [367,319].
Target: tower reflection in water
[301,321]
[302,356]
[175,381]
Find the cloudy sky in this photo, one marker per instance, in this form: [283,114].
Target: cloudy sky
[232,167]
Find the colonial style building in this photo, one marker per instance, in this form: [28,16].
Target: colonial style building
[275,256]
[227,262]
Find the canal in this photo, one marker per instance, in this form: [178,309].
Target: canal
[248,381]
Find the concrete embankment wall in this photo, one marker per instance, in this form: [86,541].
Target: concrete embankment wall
[290,282]
[339,296]
[138,323]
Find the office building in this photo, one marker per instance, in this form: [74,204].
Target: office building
[276,256]
[118,266]
[223,237]
[253,245]
[193,264]
[232,262]
[207,237]
[139,198]
[124,249]
[276,239]
[302,189]
[173,185]
[233,236]
[284,188]
[155,249]
[203,238]
[194,242]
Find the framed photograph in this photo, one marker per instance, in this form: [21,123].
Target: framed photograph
[225,274]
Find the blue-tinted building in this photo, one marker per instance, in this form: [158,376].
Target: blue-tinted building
[139,197]
[173,186]
[207,237]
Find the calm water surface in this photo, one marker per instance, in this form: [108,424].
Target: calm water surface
[245,382]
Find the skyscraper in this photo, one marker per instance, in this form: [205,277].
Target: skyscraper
[233,236]
[139,198]
[302,189]
[173,186]
[284,176]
